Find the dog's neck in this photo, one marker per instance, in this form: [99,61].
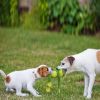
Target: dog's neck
[36,74]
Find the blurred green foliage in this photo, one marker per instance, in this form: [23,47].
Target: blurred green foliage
[96,4]
[4,12]
[30,20]
[66,15]
[9,12]
[59,15]
[96,9]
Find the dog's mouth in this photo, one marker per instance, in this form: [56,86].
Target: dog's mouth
[65,70]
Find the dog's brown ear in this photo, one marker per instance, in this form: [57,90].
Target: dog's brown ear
[71,59]
[43,71]
[40,71]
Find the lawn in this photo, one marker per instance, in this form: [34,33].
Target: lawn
[21,49]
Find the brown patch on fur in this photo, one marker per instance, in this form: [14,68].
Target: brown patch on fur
[8,79]
[43,71]
[98,56]
[71,59]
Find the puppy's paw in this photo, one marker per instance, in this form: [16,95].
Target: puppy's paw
[7,90]
[37,95]
[27,94]
[22,94]
[10,90]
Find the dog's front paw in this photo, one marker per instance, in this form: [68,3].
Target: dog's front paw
[88,97]
[22,94]
[85,94]
[37,95]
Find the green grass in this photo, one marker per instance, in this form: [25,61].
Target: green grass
[22,49]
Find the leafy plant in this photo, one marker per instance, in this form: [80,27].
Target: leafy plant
[65,15]
[4,12]
[9,12]
[96,9]
[30,20]
[14,12]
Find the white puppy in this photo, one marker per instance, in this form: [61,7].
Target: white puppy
[24,79]
[88,62]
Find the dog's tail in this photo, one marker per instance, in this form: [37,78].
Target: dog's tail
[2,74]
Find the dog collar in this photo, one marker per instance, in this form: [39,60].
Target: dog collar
[36,77]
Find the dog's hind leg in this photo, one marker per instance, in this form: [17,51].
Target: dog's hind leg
[19,93]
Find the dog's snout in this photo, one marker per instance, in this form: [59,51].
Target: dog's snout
[58,67]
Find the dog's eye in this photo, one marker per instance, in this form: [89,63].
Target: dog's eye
[63,63]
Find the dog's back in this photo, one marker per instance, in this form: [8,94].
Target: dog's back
[88,55]
[18,77]
[90,58]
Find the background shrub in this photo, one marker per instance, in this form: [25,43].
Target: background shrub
[66,15]
[31,20]
[14,12]
[4,12]
[9,12]
[96,9]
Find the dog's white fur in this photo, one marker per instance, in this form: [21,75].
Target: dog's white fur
[86,62]
[22,79]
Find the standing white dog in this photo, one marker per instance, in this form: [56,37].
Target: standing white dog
[88,62]
[24,79]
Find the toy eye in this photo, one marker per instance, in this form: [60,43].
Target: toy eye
[63,63]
